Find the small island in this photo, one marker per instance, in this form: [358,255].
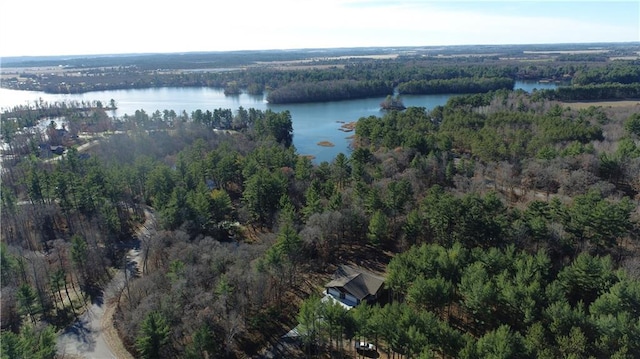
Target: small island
[392,103]
[325,144]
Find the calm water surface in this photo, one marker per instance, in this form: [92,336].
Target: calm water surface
[312,122]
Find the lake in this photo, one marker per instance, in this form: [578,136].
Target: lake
[312,122]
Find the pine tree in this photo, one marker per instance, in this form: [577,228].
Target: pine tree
[154,333]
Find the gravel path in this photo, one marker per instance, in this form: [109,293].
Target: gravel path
[93,335]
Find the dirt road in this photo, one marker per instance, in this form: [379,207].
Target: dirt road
[93,335]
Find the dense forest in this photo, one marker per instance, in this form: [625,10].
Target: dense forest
[597,92]
[455,86]
[505,224]
[323,91]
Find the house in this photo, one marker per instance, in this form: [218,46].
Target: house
[46,150]
[58,150]
[353,285]
[349,287]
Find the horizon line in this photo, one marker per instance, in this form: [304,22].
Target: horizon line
[318,48]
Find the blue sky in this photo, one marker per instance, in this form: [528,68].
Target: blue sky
[72,27]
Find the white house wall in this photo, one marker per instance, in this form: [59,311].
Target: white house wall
[348,298]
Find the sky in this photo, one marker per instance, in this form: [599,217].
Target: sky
[77,27]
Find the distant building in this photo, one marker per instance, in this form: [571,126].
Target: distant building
[58,150]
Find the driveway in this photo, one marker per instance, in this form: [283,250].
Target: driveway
[93,335]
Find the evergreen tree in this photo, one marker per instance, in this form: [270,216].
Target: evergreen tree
[153,335]
[203,344]
[31,342]
[377,232]
[310,319]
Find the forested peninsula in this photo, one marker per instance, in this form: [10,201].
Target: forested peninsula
[503,223]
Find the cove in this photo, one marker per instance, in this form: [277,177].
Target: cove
[312,122]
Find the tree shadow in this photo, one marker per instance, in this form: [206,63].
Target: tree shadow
[95,294]
[132,269]
[63,317]
[368,353]
[81,334]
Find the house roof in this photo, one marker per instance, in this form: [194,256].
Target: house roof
[356,281]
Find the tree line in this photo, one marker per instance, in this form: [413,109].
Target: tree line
[618,72]
[464,85]
[324,91]
[594,92]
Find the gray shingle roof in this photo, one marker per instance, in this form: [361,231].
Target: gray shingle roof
[356,281]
